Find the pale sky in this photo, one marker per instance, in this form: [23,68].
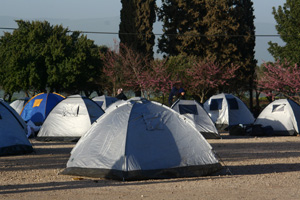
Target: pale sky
[79,9]
[74,10]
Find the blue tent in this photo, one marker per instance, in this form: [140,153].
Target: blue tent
[13,139]
[39,106]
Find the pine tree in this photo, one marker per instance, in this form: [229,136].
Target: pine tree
[288,21]
[136,27]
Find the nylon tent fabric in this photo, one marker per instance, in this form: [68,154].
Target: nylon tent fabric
[18,104]
[201,120]
[70,119]
[145,140]
[227,110]
[13,139]
[283,115]
[39,106]
[104,101]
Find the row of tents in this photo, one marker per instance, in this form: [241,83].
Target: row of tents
[137,138]
[220,112]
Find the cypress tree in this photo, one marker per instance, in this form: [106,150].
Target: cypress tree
[230,34]
[182,27]
[246,44]
[221,26]
[136,27]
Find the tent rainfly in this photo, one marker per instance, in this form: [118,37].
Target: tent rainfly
[142,141]
[227,110]
[282,115]
[201,120]
[13,139]
[38,107]
[70,119]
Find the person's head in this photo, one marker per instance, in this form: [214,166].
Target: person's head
[120,90]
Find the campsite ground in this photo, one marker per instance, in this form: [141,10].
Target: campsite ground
[254,168]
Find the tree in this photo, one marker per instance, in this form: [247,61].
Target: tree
[288,20]
[136,27]
[22,57]
[221,25]
[134,66]
[281,78]
[83,66]
[246,43]
[112,71]
[182,27]
[157,79]
[205,76]
[38,57]
[126,68]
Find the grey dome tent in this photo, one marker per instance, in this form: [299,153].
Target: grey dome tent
[142,141]
[13,139]
[70,119]
[227,110]
[201,120]
[104,101]
[283,116]
[18,104]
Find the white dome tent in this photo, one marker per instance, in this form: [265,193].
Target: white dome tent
[201,120]
[142,141]
[70,119]
[18,104]
[227,110]
[282,115]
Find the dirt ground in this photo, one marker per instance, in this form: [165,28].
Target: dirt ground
[254,168]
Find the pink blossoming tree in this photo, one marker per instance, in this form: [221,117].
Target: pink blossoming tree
[157,79]
[280,78]
[111,70]
[134,66]
[204,76]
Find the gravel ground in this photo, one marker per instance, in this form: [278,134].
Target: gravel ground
[254,168]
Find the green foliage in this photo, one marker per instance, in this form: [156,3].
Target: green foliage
[38,56]
[219,31]
[136,27]
[182,26]
[177,66]
[288,19]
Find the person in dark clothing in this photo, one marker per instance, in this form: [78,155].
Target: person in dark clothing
[177,92]
[121,95]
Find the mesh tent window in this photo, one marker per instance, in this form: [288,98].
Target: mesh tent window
[233,104]
[188,109]
[216,104]
[278,108]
